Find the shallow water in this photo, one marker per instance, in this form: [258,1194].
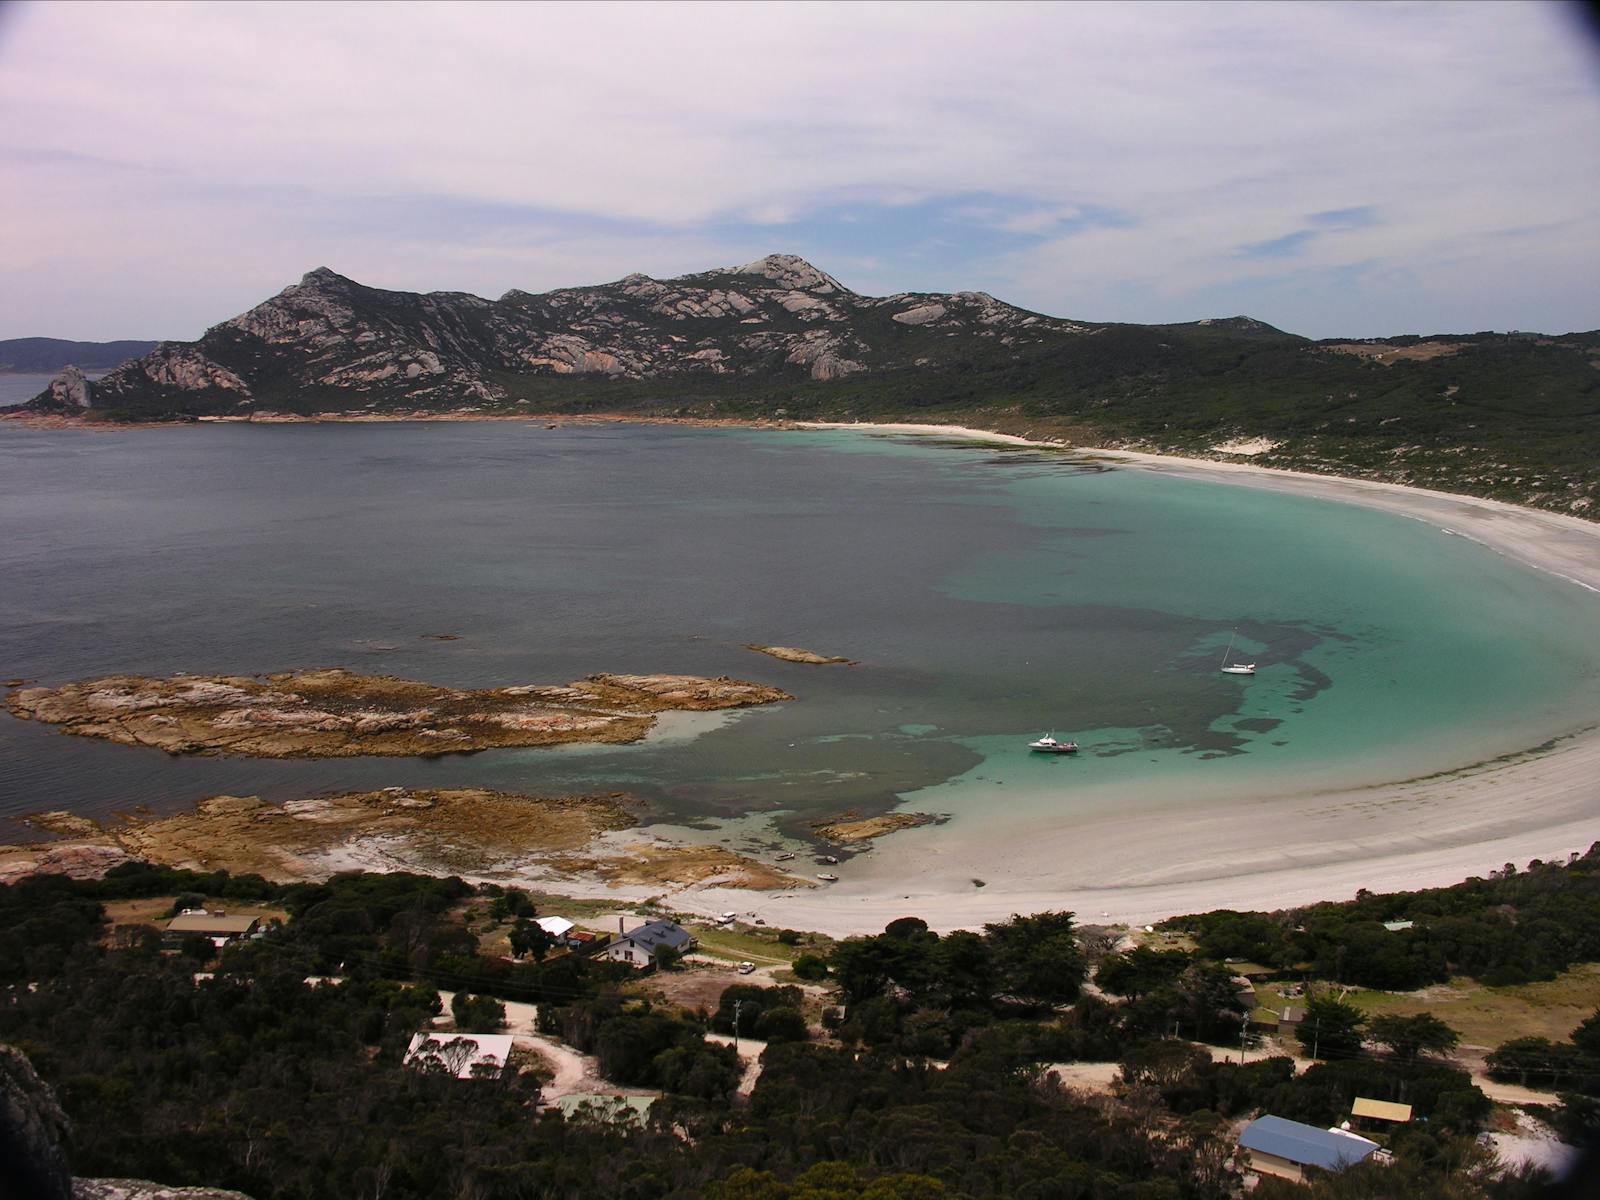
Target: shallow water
[990,595]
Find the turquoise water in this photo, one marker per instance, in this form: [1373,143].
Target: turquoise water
[990,595]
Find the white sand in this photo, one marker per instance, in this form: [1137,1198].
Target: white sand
[1258,853]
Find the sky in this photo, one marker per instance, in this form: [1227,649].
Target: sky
[1333,169]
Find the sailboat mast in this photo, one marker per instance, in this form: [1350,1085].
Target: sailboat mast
[1229,650]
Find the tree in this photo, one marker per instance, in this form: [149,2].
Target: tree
[1206,999]
[1586,1037]
[1408,1036]
[666,958]
[1331,1028]
[1037,958]
[1534,1062]
[512,902]
[1140,970]
[529,938]
[477,1014]
[810,967]
[782,1025]
[861,967]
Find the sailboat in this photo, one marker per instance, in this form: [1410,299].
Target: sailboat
[1235,668]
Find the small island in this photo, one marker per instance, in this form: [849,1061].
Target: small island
[852,829]
[334,713]
[796,655]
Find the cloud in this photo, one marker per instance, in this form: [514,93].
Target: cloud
[1287,246]
[1098,160]
[1363,217]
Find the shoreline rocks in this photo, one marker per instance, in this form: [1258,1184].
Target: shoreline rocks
[334,713]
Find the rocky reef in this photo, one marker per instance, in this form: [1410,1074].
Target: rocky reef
[333,713]
[795,654]
[457,831]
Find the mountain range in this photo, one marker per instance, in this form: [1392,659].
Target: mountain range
[1514,415]
[37,355]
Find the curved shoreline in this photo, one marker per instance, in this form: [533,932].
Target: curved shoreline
[1237,854]
[1257,854]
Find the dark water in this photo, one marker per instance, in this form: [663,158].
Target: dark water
[987,595]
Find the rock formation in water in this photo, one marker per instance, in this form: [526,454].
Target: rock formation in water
[335,714]
[796,654]
[446,831]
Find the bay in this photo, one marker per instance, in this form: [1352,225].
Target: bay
[989,595]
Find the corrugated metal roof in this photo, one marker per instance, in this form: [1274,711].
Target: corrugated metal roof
[209,923]
[1384,1110]
[1305,1144]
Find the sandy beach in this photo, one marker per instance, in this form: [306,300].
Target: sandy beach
[1258,853]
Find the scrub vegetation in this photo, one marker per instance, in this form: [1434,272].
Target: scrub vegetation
[915,1064]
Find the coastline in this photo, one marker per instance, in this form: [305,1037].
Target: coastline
[1284,851]
[1255,853]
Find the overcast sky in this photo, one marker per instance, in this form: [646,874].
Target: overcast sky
[1334,169]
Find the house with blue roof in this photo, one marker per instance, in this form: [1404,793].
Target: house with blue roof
[1276,1146]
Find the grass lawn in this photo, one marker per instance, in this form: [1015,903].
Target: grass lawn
[740,945]
[1486,1016]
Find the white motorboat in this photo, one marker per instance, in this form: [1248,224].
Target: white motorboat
[827,878]
[1235,668]
[1048,745]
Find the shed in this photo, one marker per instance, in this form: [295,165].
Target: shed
[1276,1146]
[1292,1016]
[638,946]
[218,926]
[1380,1110]
[464,1055]
[556,927]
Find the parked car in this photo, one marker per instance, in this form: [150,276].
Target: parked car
[746,968]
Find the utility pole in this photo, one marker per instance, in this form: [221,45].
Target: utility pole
[737,1005]
[1244,1024]
[1316,1030]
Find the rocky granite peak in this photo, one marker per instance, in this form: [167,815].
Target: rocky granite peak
[344,346]
[791,271]
[70,389]
[322,275]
